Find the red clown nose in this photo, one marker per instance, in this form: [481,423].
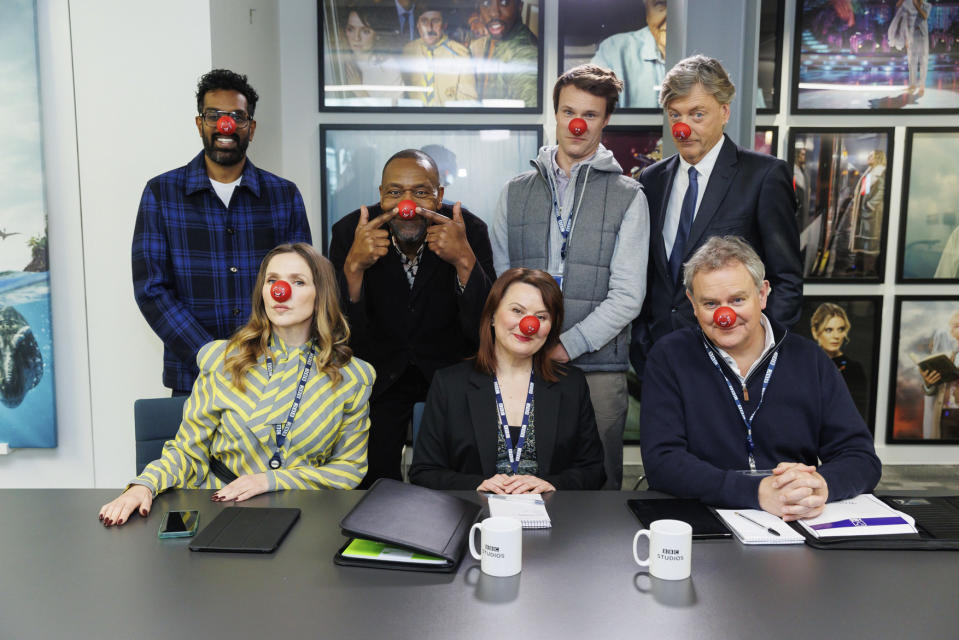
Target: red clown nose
[724,317]
[681,131]
[407,209]
[281,291]
[577,126]
[226,125]
[529,325]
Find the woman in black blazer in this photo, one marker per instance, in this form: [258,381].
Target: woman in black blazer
[462,442]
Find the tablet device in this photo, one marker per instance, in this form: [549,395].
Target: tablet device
[705,523]
[246,530]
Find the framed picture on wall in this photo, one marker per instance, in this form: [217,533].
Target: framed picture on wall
[872,56]
[474,162]
[842,190]
[634,148]
[847,329]
[629,37]
[929,227]
[924,380]
[766,140]
[455,55]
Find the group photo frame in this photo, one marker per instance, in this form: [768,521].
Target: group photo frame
[841,179]
[929,214]
[924,379]
[437,55]
[875,57]
[629,37]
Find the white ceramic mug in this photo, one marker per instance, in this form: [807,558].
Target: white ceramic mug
[501,540]
[670,549]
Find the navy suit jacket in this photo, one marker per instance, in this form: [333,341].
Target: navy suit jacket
[750,195]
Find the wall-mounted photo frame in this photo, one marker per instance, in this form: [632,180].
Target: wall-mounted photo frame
[629,37]
[929,221]
[872,56]
[847,329]
[475,162]
[924,381]
[766,140]
[449,55]
[634,148]
[841,178]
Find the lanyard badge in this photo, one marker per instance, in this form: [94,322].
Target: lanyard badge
[282,430]
[514,455]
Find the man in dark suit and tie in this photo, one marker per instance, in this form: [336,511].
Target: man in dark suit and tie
[712,187]
[413,290]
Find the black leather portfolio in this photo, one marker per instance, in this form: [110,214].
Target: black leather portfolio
[705,523]
[937,522]
[410,517]
[246,530]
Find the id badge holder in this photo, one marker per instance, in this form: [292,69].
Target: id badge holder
[559,280]
[755,473]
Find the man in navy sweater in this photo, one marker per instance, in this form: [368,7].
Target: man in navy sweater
[737,412]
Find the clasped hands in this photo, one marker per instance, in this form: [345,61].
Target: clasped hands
[795,491]
[502,483]
[140,498]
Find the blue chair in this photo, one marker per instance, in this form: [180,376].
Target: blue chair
[156,420]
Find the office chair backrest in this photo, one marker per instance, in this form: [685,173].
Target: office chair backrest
[156,420]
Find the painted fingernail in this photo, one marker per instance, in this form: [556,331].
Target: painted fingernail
[101,517]
[119,521]
[143,513]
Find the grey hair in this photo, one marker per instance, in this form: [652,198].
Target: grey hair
[697,70]
[719,252]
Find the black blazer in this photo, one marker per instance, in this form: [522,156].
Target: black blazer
[749,194]
[431,325]
[456,446]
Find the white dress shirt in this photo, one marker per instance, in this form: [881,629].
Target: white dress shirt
[680,183]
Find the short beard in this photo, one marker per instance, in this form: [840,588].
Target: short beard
[225,157]
[409,240]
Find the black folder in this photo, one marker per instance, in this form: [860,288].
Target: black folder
[246,530]
[937,523]
[412,517]
[706,524]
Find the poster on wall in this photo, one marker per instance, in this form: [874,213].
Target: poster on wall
[924,385]
[876,56]
[474,163]
[929,226]
[766,140]
[451,55]
[841,180]
[847,329]
[629,37]
[27,407]
[634,148]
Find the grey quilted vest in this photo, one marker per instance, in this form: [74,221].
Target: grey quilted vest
[589,251]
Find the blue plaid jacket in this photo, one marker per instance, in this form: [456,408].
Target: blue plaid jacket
[195,261]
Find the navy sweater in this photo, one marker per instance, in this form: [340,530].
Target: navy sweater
[693,439]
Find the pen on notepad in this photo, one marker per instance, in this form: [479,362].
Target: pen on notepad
[761,526]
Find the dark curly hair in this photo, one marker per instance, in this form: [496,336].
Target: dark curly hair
[228,80]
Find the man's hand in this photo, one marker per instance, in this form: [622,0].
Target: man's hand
[447,239]
[559,353]
[930,376]
[370,243]
[795,491]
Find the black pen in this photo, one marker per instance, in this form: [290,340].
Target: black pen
[748,519]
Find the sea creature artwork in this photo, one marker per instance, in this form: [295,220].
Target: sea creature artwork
[21,364]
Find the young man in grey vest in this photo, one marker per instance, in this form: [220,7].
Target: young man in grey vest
[578,217]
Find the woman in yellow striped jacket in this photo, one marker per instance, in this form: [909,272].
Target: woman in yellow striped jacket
[281,405]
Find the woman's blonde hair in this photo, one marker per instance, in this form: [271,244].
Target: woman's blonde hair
[330,332]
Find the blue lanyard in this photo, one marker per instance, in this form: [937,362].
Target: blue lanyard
[283,430]
[564,228]
[750,446]
[514,456]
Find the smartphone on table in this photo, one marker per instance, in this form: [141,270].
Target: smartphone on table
[179,524]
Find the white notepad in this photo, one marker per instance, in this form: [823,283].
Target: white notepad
[527,508]
[749,533]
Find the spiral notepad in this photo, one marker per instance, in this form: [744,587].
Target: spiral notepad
[529,509]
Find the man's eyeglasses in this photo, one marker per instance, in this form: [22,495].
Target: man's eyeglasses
[242,120]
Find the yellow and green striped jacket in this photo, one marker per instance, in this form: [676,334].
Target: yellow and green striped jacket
[326,447]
